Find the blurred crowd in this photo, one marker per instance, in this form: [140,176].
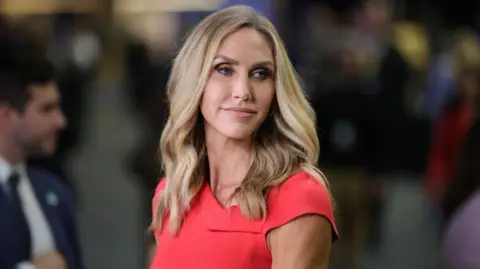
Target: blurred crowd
[394,85]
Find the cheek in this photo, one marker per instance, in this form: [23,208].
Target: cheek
[38,126]
[26,133]
[265,98]
[213,97]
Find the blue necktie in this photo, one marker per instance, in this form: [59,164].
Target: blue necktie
[19,215]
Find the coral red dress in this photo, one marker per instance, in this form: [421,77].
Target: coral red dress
[214,237]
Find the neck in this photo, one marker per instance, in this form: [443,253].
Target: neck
[10,152]
[228,160]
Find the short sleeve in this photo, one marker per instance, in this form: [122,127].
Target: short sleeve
[299,195]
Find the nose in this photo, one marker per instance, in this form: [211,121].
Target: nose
[61,120]
[242,88]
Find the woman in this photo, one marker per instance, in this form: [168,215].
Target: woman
[239,152]
[461,206]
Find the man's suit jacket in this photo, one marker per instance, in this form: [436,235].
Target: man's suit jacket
[58,206]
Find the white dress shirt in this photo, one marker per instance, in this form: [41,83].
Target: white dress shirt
[41,235]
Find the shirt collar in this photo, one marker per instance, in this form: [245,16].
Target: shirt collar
[6,169]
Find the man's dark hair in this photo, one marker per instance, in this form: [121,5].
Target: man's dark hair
[23,62]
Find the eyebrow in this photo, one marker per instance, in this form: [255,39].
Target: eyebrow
[235,62]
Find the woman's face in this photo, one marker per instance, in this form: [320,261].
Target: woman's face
[241,86]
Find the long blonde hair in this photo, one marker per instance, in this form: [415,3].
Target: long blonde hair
[286,141]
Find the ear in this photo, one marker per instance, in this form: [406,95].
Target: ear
[3,110]
[6,111]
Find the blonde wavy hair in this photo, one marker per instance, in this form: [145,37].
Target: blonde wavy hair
[287,141]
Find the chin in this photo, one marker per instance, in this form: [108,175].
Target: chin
[238,133]
[48,149]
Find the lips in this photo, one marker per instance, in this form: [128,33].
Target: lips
[241,111]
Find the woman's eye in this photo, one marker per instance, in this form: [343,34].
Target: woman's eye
[261,74]
[224,70]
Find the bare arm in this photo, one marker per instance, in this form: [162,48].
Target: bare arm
[303,243]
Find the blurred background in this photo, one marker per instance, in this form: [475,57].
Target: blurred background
[393,82]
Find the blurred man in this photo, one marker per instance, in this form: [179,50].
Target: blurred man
[37,223]
[74,47]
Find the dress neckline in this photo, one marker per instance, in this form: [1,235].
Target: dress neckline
[207,190]
[227,219]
